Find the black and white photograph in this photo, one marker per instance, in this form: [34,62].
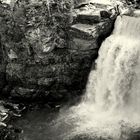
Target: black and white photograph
[69,69]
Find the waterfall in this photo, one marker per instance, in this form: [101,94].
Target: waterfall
[115,84]
[110,106]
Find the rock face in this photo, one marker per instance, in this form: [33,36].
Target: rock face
[40,71]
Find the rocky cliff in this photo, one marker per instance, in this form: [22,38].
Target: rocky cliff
[42,62]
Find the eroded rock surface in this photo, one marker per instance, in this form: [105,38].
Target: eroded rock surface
[34,66]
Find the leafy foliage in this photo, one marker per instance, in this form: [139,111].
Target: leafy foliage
[35,26]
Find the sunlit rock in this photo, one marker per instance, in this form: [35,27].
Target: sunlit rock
[85,37]
[12,55]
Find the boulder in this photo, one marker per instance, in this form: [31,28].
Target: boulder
[55,72]
[25,93]
[86,37]
[88,18]
[93,22]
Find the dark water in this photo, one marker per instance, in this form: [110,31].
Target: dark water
[40,124]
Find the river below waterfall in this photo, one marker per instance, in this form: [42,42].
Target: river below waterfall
[109,110]
[45,124]
[37,125]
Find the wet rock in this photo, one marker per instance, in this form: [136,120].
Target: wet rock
[8,110]
[91,22]
[84,31]
[49,62]
[82,44]
[93,13]
[61,70]
[25,93]
[85,36]
[8,134]
[88,18]
[134,134]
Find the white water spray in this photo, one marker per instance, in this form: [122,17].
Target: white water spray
[111,104]
[115,84]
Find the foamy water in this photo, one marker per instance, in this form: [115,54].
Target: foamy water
[110,107]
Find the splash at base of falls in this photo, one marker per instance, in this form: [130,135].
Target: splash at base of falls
[110,107]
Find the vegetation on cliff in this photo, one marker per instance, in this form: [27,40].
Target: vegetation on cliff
[40,23]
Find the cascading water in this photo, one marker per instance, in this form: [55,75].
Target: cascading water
[114,86]
[110,107]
